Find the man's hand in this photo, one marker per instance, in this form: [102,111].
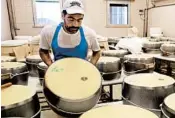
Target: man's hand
[45,56]
[95,57]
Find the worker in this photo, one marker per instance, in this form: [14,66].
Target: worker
[69,38]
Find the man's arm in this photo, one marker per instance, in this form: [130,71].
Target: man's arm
[95,57]
[45,56]
[45,42]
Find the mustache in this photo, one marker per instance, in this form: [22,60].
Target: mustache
[72,28]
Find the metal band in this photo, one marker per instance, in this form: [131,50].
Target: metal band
[140,106]
[163,112]
[111,72]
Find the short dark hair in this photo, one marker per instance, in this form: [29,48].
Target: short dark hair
[64,12]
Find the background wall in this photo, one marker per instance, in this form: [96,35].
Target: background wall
[23,15]
[96,15]
[95,18]
[163,17]
[5,27]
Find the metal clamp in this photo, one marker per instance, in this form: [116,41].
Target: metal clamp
[163,111]
[13,75]
[10,77]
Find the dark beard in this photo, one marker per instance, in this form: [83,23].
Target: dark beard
[72,29]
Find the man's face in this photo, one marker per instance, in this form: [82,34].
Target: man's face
[72,22]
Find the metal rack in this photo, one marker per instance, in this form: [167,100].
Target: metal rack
[165,65]
[108,96]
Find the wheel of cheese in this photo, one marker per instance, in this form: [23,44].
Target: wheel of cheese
[149,80]
[7,59]
[15,94]
[73,79]
[35,40]
[154,40]
[169,101]
[42,65]
[28,38]
[140,58]
[114,53]
[168,47]
[152,45]
[114,39]
[13,67]
[34,58]
[42,68]
[118,111]
[108,64]
[164,38]
[11,43]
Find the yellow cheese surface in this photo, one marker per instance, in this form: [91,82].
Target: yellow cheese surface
[10,65]
[73,78]
[15,94]
[118,111]
[6,58]
[149,80]
[170,101]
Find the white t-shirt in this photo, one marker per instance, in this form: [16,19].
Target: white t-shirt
[68,40]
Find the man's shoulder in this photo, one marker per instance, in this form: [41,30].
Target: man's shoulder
[88,31]
[49,29]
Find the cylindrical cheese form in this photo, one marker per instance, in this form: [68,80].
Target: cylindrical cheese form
[154,40]
[42,68]
[15,94]
[114,53]
[164,38]
[42,65]
[150,86]
[12,43]
[7,59]
[19,101]
[168,47]
[152,45]
[109,64]
[149,80]
[114,39]
[32,62]
[10,65]
[13,67]
[140,58]
[34,58]
[170,102]
[72,82]
[118,111]
[35,40]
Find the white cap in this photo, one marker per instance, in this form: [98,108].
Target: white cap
[73,7]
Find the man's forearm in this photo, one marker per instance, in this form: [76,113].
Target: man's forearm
[95,57]
[45,56]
